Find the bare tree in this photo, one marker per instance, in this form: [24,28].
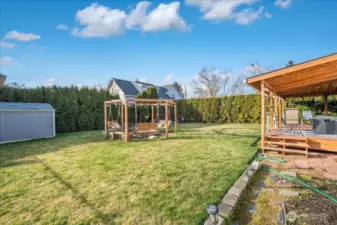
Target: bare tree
[255,69]
[211,82]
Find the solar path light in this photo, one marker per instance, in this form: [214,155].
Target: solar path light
[212,211]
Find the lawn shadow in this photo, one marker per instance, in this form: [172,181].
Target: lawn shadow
[210,136]
[20,163]
[106,218]
[14,151]
[255,142]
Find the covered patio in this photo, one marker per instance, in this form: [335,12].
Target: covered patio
[313,78]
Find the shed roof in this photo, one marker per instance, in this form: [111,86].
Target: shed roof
[18,106]
[311,78]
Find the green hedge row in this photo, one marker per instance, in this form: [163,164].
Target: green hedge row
[77,109]
[229,109]
[243,108]
[81,109]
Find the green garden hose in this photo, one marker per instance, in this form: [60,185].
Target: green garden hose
[277,160]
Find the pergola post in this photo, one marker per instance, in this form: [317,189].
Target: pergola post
[262,115]
[152,113]
[326,105]
[166,120]
[105,120]
[175,119]
[126,134]
[122,116]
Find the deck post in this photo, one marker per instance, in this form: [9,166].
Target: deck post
[105,120]
[271,111]
[126,134]
[280,112]
[262,115]
[175,119]
[152,113]
[277,110]
[325,105]
[166,120]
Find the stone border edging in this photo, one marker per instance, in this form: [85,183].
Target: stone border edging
[234,194]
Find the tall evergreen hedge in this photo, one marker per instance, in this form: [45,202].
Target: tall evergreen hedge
[243,108]
[81,109]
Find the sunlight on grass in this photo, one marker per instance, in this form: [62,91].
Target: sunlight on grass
[80,178]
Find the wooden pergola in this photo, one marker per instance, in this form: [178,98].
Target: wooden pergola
[140,102]
[317,77]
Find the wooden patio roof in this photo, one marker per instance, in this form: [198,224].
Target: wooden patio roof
[317,77]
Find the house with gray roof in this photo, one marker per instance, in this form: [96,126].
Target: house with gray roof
[130,89]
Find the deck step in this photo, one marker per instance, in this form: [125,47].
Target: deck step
[287,138]
[285,150]
[301,145]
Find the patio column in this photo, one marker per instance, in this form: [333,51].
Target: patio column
[280,112]
[152,113]
[262,115]
[271,111]
[325,105]
[277,110]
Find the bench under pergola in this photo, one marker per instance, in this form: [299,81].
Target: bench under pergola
[140,128]
[317,77]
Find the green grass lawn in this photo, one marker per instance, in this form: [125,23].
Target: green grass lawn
[81,178]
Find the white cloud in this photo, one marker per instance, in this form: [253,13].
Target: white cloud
[268,15]
[247,16]
[138,15]
[220,10]
[15,35]
[6,60]
[283,3]
[6,45]
[62,27]
[50,82]
[168,79]
[99,21]
[165,17]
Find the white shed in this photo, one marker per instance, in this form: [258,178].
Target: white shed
[26,121]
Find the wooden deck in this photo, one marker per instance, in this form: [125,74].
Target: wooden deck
[299,139]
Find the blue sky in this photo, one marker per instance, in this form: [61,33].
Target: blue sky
[84,42]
